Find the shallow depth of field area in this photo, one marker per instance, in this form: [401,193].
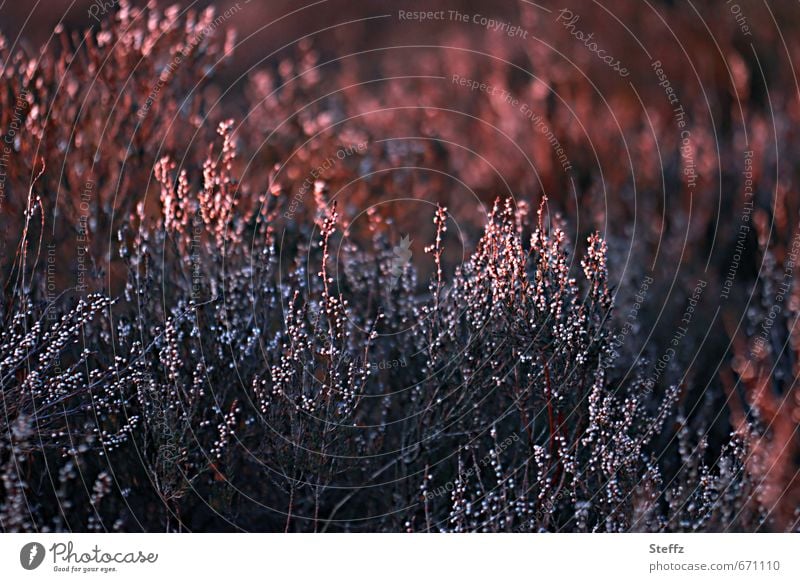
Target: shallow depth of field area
[353,267]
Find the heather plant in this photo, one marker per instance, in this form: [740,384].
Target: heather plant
[203,331]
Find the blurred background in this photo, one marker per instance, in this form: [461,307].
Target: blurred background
[671,127]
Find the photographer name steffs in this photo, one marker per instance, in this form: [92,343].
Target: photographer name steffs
[64,555]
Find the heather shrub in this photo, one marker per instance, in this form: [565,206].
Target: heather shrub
[209,329]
